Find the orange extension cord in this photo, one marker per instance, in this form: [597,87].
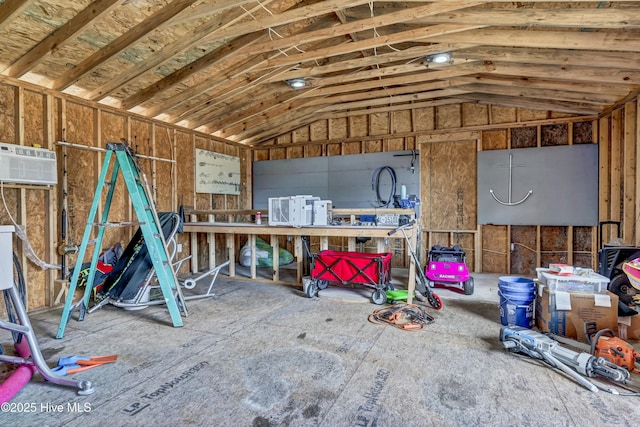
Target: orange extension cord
[408,317]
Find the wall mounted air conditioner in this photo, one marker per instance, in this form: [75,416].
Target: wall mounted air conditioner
[27,165]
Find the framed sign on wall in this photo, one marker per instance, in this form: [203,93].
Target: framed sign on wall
[217,173]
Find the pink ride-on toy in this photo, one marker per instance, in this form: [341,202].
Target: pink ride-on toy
[447,268]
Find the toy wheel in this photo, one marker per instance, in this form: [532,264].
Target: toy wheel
[322,284]
[435,301]
[621,286]
[312,291]
[378,297]
[468,286]
[431,283]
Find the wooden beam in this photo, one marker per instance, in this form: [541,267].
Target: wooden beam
[170,50]
[61,35]
[154,21]
[533,17]
[351,27]
[11,9]
[211,58]
[536,104]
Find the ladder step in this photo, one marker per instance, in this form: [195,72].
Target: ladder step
[117,224]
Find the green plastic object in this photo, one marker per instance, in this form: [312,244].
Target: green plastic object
[397,295]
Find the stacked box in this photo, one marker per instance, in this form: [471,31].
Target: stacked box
[586,281]
[565,314]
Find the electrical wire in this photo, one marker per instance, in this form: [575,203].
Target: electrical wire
[375,185]
[21,287]
[408,317]
[20,232]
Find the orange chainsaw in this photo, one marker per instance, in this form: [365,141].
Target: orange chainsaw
[605,343]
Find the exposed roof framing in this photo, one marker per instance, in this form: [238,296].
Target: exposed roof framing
[221,66]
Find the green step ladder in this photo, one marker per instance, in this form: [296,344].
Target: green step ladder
[149,225]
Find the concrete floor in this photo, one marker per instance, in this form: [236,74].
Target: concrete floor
[265,355]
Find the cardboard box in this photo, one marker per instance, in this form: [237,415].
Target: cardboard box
[629,327]
[565,313]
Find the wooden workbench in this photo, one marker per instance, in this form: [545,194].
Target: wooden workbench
[230,230]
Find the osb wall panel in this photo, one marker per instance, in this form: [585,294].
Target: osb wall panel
[448,116]
[300,135]
[494,139]
[313,151]
[525,115]
[401,121]
[475,114]
[81,171]
[551,135]
[259,155]
[295,152]
[503,114]
[112,128]
[351,148]
[319,130]
[395,144]
[425,184]
[424,119]
[358,126]
[335,149]
[36,231]
[7,114]
[33,119]
[583,132]
[523,256]
[164,150]
[453,186]
[373,146]
[494,242]
[583,247]
[467,242]
[184,175]
[442,239]
[204,200]
[379,124]
[338,128]
[553,245]
[526,137]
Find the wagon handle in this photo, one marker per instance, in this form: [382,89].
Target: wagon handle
[407,225]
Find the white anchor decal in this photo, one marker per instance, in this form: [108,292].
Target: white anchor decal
[509,202]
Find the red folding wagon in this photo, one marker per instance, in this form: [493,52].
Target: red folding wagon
[342,268]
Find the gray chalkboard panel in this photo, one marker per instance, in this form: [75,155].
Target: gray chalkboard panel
[345,180]
[563,181]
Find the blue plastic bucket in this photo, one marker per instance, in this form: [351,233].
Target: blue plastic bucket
[517,296]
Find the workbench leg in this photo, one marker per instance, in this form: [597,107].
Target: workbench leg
[252,245]
[211,242]
[193,241]
[231,253]
[275,246]
[324,243]
[299,255]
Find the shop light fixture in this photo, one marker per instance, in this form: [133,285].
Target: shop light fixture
[439,58]
[298,83]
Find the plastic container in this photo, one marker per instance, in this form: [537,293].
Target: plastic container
[589,282]
[517,297]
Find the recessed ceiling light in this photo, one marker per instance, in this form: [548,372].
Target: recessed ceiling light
[297,83]
[439,58]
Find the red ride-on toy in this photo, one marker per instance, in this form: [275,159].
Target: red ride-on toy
[447,268]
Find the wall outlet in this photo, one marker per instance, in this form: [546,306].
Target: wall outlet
[179,248]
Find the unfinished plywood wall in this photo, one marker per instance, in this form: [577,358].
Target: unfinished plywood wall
[448,138]
[78,132]
[619,173]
